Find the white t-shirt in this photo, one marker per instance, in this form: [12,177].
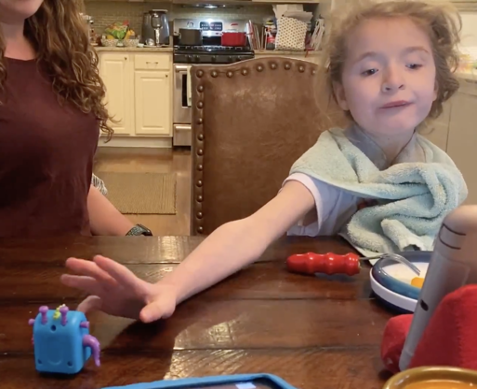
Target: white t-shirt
[334,208]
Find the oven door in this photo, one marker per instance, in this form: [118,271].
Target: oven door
[182,112]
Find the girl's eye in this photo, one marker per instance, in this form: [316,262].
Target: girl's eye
[369,72]
[414,66]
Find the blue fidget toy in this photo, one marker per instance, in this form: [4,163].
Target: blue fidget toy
[241,381]
[62,341]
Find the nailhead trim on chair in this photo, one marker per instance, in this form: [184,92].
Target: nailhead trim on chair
[199,141]
[199,159]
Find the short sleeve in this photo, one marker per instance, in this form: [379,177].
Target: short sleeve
[326,198]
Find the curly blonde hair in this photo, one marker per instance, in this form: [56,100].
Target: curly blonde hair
[442,23]
[60,38]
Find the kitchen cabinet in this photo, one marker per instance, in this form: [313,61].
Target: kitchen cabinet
[138,96]
[116,70]
[152,103]
[462,140]
[438,131]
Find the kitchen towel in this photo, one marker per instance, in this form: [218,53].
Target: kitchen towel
[412,196]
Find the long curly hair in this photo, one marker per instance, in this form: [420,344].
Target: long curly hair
[442,22]
[59,36]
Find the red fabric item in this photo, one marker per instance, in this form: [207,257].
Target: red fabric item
[450,337]
[394,337]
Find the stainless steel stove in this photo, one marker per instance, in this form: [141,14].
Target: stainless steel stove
[209,51]
[211,54]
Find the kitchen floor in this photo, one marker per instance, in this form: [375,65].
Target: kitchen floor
[177,161]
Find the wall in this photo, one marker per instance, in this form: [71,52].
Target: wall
[105,13]
[469,29]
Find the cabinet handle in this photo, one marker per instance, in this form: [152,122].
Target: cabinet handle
[125,58]
[155,63]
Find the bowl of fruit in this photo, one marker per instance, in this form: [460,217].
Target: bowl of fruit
[119,34]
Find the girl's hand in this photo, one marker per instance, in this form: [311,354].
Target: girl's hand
[115,290]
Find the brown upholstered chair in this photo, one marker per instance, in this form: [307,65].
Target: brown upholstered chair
[251,120]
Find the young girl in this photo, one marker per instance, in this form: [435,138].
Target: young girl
[390,68]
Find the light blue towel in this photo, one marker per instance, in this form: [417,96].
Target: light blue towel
[412,197]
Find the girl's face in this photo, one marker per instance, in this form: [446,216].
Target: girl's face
[16,11]
[389,76]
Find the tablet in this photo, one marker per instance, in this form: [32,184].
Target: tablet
[238,381]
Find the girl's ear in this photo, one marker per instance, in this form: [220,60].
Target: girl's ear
[340,96]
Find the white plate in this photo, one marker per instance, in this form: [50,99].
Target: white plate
[396,288]
[404,273]
[402,302]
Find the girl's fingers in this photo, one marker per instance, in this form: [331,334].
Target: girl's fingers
[89,268]
[161,308]
[125,277]
[91,303]
[88,284]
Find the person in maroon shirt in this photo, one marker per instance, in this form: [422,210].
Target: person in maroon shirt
[51,112]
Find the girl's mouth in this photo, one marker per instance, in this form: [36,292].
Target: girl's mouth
[396,104]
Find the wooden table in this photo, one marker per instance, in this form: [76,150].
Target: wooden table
[315,332]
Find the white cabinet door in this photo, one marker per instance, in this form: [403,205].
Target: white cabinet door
[438,131]
[462,142]
[117,72]
[153,103]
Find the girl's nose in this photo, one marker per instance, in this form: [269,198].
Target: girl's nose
[393,81]
[390,87]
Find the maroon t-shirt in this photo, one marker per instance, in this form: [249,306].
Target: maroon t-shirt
[46,157]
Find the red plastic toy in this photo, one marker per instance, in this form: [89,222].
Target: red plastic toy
[329,263]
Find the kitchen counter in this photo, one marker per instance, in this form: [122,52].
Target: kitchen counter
[170,49]
[167,49]
[288,52]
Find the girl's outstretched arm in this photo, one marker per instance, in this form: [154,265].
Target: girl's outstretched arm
[239,243]
[116,290]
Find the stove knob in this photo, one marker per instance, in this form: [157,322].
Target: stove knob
[189,58]
[196,58]
[231,59]
[239,58]
[214,58]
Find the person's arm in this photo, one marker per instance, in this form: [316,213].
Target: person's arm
[104,218]
[118,291]
[236,244]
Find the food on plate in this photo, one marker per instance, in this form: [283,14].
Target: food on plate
[417,282]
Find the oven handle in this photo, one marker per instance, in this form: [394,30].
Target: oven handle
[181,68]
[183,127]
